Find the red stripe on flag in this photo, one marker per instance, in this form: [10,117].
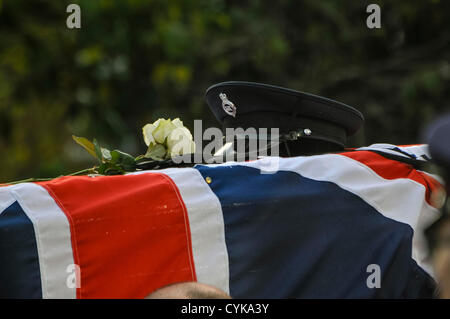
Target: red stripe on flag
[392,169]
[130,234]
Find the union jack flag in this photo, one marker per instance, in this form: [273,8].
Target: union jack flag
[309,230]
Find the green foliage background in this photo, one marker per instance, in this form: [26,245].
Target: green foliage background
[134,61]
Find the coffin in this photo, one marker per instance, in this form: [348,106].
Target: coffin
[345,225]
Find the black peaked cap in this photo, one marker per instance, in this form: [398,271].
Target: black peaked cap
[248,104]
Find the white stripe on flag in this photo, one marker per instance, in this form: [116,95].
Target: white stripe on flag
[420,152]
[6,199]
[53,238]
[400,199]
[206,226]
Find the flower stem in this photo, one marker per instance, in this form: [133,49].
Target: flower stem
[29,180]
[84,172]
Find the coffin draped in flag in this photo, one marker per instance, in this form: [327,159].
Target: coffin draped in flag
[318,227]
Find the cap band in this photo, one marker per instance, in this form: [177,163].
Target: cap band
[288,124]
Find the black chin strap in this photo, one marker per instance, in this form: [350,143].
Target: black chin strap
[289,126]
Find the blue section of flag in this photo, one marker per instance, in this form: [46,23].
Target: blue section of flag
[20,275]
[288,236]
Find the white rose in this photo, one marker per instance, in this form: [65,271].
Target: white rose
[167,138]
[180,142]
[177,122]
[147,131]
[163,130]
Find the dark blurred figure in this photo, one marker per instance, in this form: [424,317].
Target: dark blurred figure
[438,234]
[188,290]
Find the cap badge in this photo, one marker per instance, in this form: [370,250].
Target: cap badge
[227,105]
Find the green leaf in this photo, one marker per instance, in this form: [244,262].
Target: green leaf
[156,152]
[140,157]
[113,171]
[109,168]
[124,160]
[86,144]
[98,151]
[102,167]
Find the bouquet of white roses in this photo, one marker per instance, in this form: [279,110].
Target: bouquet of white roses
[165,140]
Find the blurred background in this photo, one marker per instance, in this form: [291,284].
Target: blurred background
[134,61]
